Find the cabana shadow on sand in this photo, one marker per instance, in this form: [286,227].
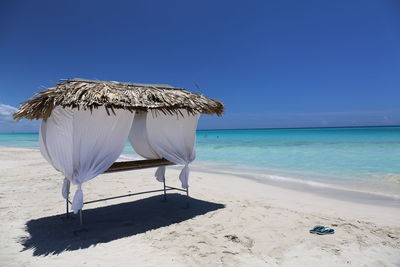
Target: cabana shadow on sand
[52,235]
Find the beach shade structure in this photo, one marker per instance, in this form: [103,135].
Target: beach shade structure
[85,125]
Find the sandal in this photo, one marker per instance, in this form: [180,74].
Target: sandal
[322,230]
[326,231]
[316,229]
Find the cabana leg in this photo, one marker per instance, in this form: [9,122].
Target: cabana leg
[80,228]
[187,198]
[67,211]
[165,192]
[80,217]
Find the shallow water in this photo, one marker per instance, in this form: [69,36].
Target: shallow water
[363,158]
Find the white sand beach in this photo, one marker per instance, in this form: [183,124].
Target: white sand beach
[232,221]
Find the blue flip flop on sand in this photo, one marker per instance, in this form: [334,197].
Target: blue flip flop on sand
[322,230]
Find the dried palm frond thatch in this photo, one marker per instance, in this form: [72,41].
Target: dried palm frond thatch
[89,94]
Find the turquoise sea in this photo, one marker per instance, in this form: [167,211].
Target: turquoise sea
[362,158]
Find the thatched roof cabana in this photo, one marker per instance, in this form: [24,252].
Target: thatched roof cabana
[85,125]
[89,94]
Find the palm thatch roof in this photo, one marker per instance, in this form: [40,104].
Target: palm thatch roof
[89,94]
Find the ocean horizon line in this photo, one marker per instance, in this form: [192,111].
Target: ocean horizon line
[267,128]
[299,128]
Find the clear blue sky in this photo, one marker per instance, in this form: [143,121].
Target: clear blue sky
[273,63]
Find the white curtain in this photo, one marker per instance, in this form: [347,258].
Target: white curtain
[138,137]
[173,137]
[82,144]
[139,140]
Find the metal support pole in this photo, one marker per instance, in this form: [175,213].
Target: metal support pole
[165,191]
[80,228]
[187,198]
[67,204]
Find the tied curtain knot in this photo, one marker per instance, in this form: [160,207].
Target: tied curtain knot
[184,176]
[65,188]
[160,174]
[77,202]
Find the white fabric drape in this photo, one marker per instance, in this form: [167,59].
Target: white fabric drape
[82,144]
[139,140]
[138,137]
[58,127]
[173,137]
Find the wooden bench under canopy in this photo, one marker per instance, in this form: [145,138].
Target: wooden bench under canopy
[137,164]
